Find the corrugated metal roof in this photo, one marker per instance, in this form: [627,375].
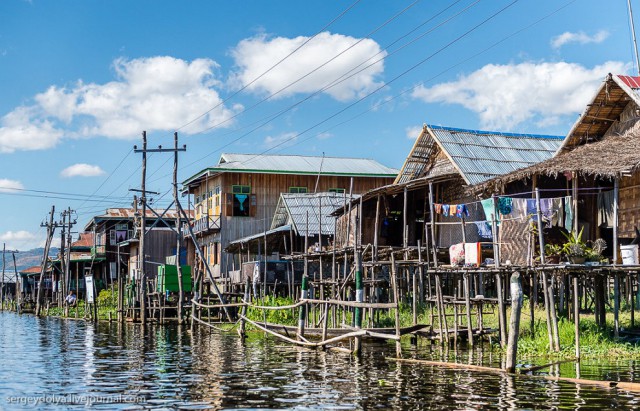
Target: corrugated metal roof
[293,209]
[294,164]
[480,155]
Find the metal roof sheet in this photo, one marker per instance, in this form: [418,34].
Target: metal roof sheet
[480,155]
[293,164]
[293,209]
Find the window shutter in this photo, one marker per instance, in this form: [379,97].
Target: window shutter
[253,206]
[228,204]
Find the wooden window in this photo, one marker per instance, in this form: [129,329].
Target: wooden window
[239,189]
[297,189]
[336,190]
[240,205]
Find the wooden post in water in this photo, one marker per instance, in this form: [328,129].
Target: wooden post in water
[576,315]
[502,313]
[547,310]
[514,323]
[414,292]
[302,317]
[467,302]
[247,288]
[616,305]
[554,316]
[394,285]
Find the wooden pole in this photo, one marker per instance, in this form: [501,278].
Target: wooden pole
[375,230]
[540,232]
[547,310]
[143,229]
[502,312]
[467,302]
[514,323]
[394,285]
[4,264]
[616,305]
[494,231]
[43,269]
[433,227]
[576,315]
[178,228]
[554,316]
[616,194]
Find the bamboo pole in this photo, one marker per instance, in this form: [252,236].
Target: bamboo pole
[554,316]
[502,313]
[514,326]
[394,285]
[547,310]
[467,302]
[576,315]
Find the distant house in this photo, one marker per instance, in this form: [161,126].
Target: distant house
[114,235]
[238,197]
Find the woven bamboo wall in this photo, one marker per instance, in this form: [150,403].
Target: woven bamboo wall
[629,206]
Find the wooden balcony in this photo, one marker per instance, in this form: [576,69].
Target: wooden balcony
[205,224]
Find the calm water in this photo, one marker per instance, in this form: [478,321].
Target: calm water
[52,364]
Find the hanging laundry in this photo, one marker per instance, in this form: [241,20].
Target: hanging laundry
[546,209]
[438,208]
[452,209]
[445,209]
[605,208]
[558,210]
[532,209]
[484,231]
[487,206]
[462,211]
[568,213]
[505,205]
[519,208]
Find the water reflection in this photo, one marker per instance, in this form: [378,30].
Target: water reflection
[169,367]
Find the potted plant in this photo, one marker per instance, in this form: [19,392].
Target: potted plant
[552,253]
[575,249]
[594,253]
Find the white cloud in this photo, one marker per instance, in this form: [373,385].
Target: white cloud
[153,94]
[281,140]
[21,240]
[580,37]
[507,95]
[10,186]
[82,170]
[413,132]
[25,129]
[256,55]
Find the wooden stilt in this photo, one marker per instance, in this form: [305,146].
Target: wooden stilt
[576,315]
[554,317]
[547,310]
[514,323]
[394,285]
[616,305]
[467,300]
[502,313]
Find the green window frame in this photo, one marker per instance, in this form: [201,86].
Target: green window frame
[336,190]
[240,189]
[298,190]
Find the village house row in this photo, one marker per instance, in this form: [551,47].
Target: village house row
[468,196]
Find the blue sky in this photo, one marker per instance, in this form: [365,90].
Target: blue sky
[80,81]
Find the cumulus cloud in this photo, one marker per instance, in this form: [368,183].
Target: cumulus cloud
[580,37]
[21,240]
[10,186]
[82,170]
[153,94]
[258,54]
[505,96]
[25,128]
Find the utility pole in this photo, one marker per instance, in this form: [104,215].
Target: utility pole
[51,226]
[4,263]
[178,234]
[68,256]
[143,199]
[63,243]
